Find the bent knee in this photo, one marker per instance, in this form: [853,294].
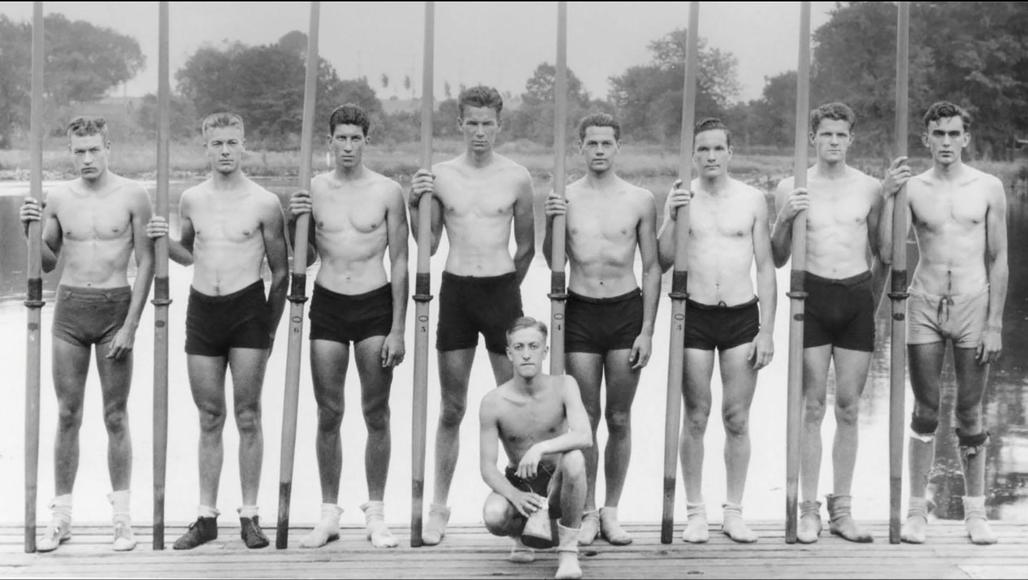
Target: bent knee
[572,464]
[497,515]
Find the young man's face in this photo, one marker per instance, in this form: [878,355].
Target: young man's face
[599,148]
[347,144]
[711,153]
[225,149]
[946,139]
[526,349]
[831,138]
[89,154]
[479,126]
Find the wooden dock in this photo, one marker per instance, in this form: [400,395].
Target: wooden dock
[469,552]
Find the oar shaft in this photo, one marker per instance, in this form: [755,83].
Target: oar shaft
[34,291]
[558,281]
[797,293]
[298,286]
[422,291]
[679,286]
[898,294]
[161,298]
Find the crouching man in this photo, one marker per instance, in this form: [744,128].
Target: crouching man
[543,426]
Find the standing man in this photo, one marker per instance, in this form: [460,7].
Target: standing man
[97,221]
[958,292]
[357,214]
[728,233]
[609,321]
[543,426]
[228,226]
[843,207]
[478,197]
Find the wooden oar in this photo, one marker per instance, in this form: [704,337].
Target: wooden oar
[558,281]
[797,294]
[422,292]
[161,298]
[298,288]
[898,294]
[34,291]
[679,285]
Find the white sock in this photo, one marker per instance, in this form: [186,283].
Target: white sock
[61,506]
[121,501]
[248,511]
[206,511]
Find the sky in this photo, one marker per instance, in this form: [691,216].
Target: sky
[493,43]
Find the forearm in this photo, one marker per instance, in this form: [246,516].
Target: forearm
[767,290]
[48,257]
[497,482]
[401,289]
[569,441]
[666,244]
[277,299]
[548,243]
[999,273]
[651,297]
[140,291]
[179,253]
[523,259]
[885,240]
[781,241]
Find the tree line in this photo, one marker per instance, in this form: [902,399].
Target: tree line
[974,54]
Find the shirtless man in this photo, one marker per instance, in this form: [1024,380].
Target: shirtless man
[96,221]
[228,226]
[358,214]
[728,232]
[478,196]
[544,427]
[958,292]
[609,321]
[843,206]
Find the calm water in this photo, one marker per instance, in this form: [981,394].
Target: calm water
[1005,409]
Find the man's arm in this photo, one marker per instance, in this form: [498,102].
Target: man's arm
[646,234]
[53,238]
[424,183]
[300,203]
[555,205]
[142,248]
[999,272]
[273,231]
[767,288]
[578,436]
[676,198]
[787,205]
[488,451]
[896,176]
[524,227]
[396,229]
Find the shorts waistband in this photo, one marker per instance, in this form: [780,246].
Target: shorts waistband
[87,294]
[951,298]
[864,276]
[479,279]
[197,295]
[383,289]
[608,300]
[721,307]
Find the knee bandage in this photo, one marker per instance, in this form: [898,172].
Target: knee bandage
[923,429]
[972,445]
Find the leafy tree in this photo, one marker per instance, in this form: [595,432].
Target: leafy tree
[83,63]
[385,81]
[183,117]
[534,119]
[648,98]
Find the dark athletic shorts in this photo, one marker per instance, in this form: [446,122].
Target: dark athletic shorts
[599,325]
[87,316]
[351,317]
[472,304]
[217,324]
[709,327]
[539,485]
[839,312]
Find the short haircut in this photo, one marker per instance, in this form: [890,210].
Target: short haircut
[219,120]
[526,322]
[349,114]
[713,124]
[599,120]
[83,126]
[834,112]
[945,110]
[480,96]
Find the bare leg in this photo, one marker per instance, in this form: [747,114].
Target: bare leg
[816,361]
[587,369]
[454,373]
[375,387]
[207,382]
[503,371]
[971,383]
[740,380]
[851,368]
[925,364]
[622,382]
[699,367]
[115,383]
[70,366]
[572,498]
[247,366]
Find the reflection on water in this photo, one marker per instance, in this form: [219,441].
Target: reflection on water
[1005,410]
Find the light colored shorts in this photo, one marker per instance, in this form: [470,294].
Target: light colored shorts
[960,318]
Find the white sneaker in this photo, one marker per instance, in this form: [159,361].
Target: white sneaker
[124,540]
[58,532]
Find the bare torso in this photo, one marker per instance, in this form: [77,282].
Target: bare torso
[949,218]
[228,248]
[478,210]
[350,221]
[524,420]
[602,227]
[838,221]
[720,255]
[96,230]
